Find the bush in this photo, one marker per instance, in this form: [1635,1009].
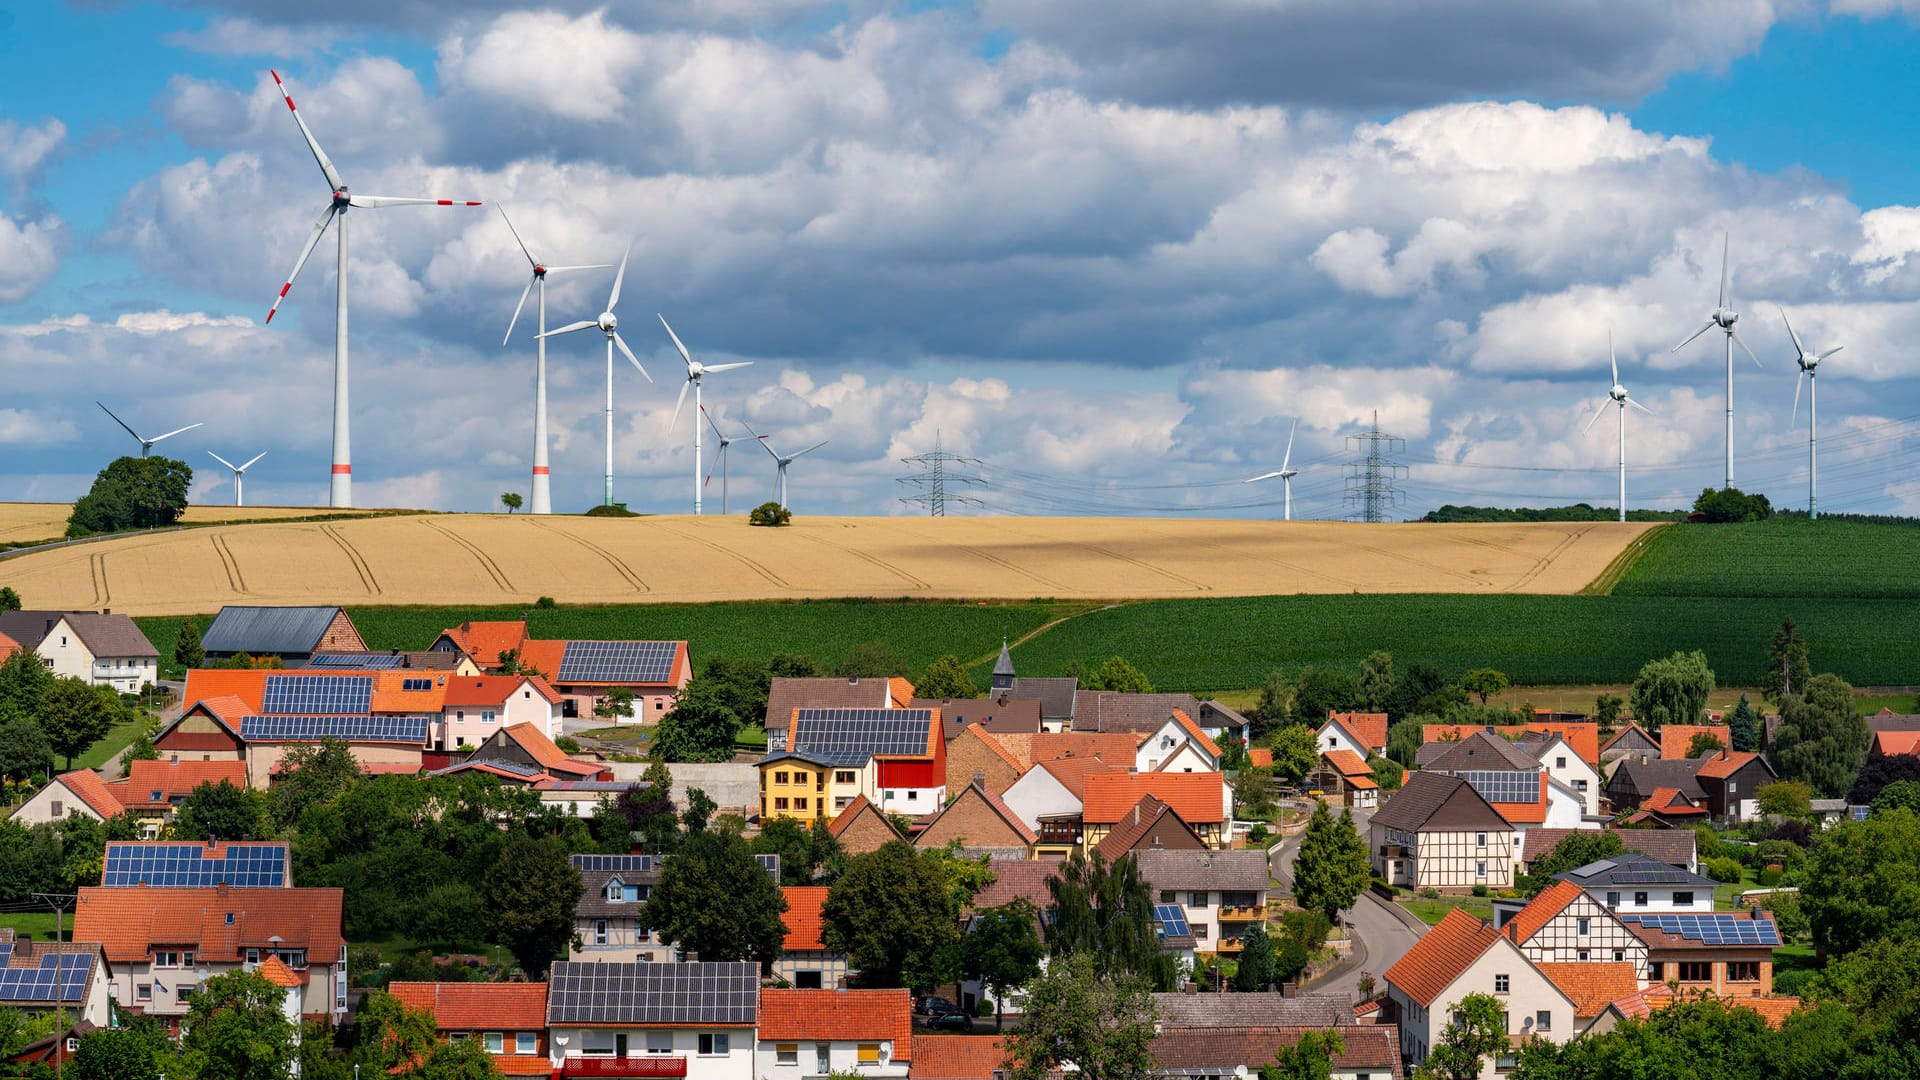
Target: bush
[1429,893]
[615,510]
[1731,504]
[1788,855]
[1479,890]
[1770,877]
[1257,835]
[545,603]
[1725,871]
[770,514]
[567,744]
[1792,982]
[1706,841]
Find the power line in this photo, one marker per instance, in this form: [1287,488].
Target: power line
[1371,481]
[934,477]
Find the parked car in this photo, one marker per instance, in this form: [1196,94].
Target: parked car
[951,1021]
[934,1006]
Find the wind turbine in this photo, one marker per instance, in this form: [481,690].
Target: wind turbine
[238,472]
[725,441]
[340,492]
[1617,395]
[780,462]
[1724,317]
[146,444]
[695,370]
[1286,473]
[542,494]
[610,324]
[1809,360]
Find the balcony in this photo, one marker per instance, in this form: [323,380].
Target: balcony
[1229,946]
[656,1065]
[1394,851]
[1242,914]
[1059,832]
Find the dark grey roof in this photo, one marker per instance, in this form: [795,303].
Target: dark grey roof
[1106,710]
[1253,1010]
[392,660]
[1633,870]
[1478,751]
[787,694]
[638,994]
[1674,847]
[1056,695]
[1236,870]
[267,631]
[1214,714]
[1004,665]
[1437,801]
[104,634]
[1643,776]
[1879,722]
[593,902]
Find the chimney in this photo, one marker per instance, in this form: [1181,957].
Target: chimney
[1289,989]
[980,781]
[220,889]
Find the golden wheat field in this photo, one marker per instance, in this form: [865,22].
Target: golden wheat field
[477,559]
[24,522]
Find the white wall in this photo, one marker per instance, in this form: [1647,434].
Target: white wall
[69,655]
[1528,993]
[736,1064]
[1660,900]
[1037,794]
[842,1056]
[39,809]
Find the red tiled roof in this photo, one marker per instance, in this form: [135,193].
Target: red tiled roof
[1196,733]
[1139,821]
[956,1057]
[278,973]
[1347,763]
[1725,764]
[1541,910]
[129,922]
[8,647]
[1641,1003]
[476,690]
[477,1006]
[1072,772]
[87,786]
[995,804]
[171,778]
[839,1015]
[1582,735]
[249,687]
[1591,985]
[1111,745]
[1896,742]
[485,641]
[1675,738]
[1199,798]
[1369,727]
[1440,957]
[1260,756]
[530,738]
[845,818]
[1668,801]
[803,918]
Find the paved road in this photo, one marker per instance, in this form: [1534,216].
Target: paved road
[1383,932]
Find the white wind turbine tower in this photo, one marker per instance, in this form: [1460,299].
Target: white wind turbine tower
[695,370]
[1809,360]
[340,491]
[1286,474]
[725,441]
[780,463]
[542,489]
[610,325]
[239,471]
[146,444]
[1617,396]
[1724,317]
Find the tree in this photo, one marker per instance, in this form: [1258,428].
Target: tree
[1483,683]
[700,726]
[1477,1031]
[9,600]
[24,680]
[1901,794]
[1862,881]
[1271,711]
[1255,970]
[1376,680]
[1705,742]
[741,684]
[1317,693]
[1673,690]
[700,808]
[24,750]
[714,899]
[1822,738]
[117,1054]
[1119,674]
[945,678]
[1785,798]
[312,773]
[795,666]
[1295,751]
[894,916]
[222,812]
[75,716]
[615,705]
[530,895]
[1731,505]
[1311,1058]
[1578,848]
[1787,670]
[1332,868]
[1405,737]
[1102,1026]
[187,650]
[871,660]
[1606,709]
[1743,724]
[451,914]
[1693,1037]
[806,854]
[1420,681]
[647,810]
[1104,911]
[1002,950]
[235,1029]
[1387,772]
[770,514]
[132,493]
[510,500]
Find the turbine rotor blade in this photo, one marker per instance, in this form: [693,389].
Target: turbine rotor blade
[1596,416]
[375,202]
[1793,418]
[727,367]
[685,383]
[1639,406]
[619,278]
[1725,241]
[516,308]
[319,227]
[326,164]
[716,427]
[1738,340]
[585,266]
[119,421]
[809,449]
[1613,357]
[1287,459]
[584,324]
[172,433]
[1262,476]
[676,340]
[531,261]
[1831,351]
[256,457]
[227,463]
[1801,349]
[1704,327]
[618,340]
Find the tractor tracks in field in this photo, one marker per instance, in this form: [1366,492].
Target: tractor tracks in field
[229,563]
[619,567]
[359,561]
[486,562]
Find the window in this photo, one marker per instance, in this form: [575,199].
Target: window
[1696,971]
[1580,786]
[1199,931]
[253,956]
[1502,984]
[486,717]
[843,778]
[1543,1021]
[1613,900]
[596,1043]
[913,796]
[800,803]
[495,1042]
[890,794]
[1683,899]
[599,931]
[293,958]
[780,804]
[155,796]
[526,1042]
[73,1044]
[1583,926]
[807,980]
[786,1053]
[1167,896]
[779,778]
[1480,869]
[1619,956]
[714,1044]
[183,991]
[1743,971]
[1656,971]
[868,1054]
[1196,899]
[58,810]
[1640,899]
[143,992]
[1560,762]
[1732,787]
[841,803]
[1582,954]
[822,1062]
[170,958]
[659,1042]
[1479,839]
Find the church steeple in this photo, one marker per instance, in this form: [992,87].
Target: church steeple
[1002,670]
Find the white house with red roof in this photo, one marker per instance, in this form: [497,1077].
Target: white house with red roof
[807,1034]
[477,706]
[1464,955]
[1178,745]
[78,792]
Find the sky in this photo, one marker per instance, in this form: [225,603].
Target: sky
[1111,251]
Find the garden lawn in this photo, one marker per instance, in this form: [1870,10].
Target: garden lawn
[1432,911]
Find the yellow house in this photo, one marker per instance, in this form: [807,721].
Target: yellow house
[895,757]
[803,787]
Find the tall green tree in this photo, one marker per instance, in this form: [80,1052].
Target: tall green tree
[1822,738]
[945,678]
[1788,668]
[530,895]
[895,917]
[1317,692]
[75,716]
[699,810]
[741,684]
[1673,690]
[1254,967]
[1743,724]
[1272,711]
[1483,683]
[1104,911]
[187,650]
[700,727]
[1002,950]
[1295,751]
[1119,674]
[1477,1031]
[117,1054]
[222,812]
[312,773]
[1332,869]
[1102,1026]
[615,705]
[24,750]
[24,680]
[1785,798]
[9,600]
[511,500]
[1310,1058]
[1862,881]
[1420,681]
[714,899]
[1577,848]
[1376,680]
[1606,708]
[235,1029]
[805,852]
[132,493]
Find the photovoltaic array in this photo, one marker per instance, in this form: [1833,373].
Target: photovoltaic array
[1722,929]
[317,694]
[60,977]
[1171,920]
[355,661]
[851,736]
[617,661]
[397,729]
[186,866]
[1505,786]
[1674,876]
[705,993]
[631,864]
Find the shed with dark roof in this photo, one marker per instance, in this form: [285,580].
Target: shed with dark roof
[293,634]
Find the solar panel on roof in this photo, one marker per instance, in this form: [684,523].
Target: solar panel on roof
[1504,786]
[851,736]
[185,866]
[700,993]
[1597,867]
[1170,920]
[60,976]
[617,661]
[355,661]
[1650,877]
[401,729]
[318,694]
[615,863]
[1715,929]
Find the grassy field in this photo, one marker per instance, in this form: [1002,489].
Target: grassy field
[117,740]
[1432,911]
[40,924]
[1781,558]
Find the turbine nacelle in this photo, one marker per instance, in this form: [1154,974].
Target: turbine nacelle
[608,322]
[1618,393]
[342,198]
[1725,318]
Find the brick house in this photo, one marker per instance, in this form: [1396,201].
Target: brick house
[976,755]
[977,818]
[508,1019]
[1728,953]
[861,827]
[294,634]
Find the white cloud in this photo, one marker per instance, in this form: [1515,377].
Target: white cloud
[242,36]
[25,147]
[23,426]
[29,254]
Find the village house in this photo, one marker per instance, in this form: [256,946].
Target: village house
[1464,955]
[1675,847]
[1202,799]
[1565,923]
[786,694]
[1346,777]
[42,977]
[1508,777]
[814,1033]
[1050,797]
[694,1020]
[1361,733]
[1437,832]
[1730,780]
[79,792]
[805,962]
[975,755]
[1630,740]
[1150,826]
[1677,739]
[1565,766]
[1216,1037]
[581,672]
[152,791]
[474,707]
[1727,953]
[861,827]
[507,1019]
[1178,745]
[1593,986]
[1221,893]
[254,715]
[174,864]
[606,918]
[293,634]
[1055,695]
[894,757]
[98,648]
[999,715]
[977,819]
[1631,883]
